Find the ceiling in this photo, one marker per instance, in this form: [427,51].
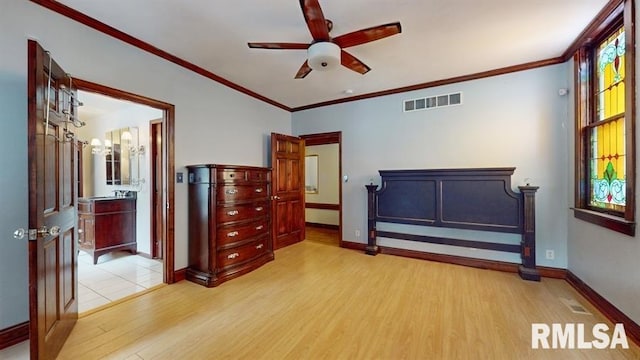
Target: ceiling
[439,40]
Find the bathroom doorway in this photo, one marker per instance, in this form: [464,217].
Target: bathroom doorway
[120,160]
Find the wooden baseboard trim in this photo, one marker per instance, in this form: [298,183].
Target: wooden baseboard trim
[323,226]
[544,271]
[553,273]
[14,335]
[321,206]
[631,328]
[353,245]
[180,274]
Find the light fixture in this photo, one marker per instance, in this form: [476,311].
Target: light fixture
[98,149]
[96,146]
[323,56]
[136,150]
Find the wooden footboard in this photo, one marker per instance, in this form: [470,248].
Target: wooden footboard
[474,199]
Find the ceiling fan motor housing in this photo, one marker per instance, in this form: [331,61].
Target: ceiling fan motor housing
[323,56]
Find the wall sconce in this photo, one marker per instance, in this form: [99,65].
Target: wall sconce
[98,149]
[136,150]
[96,146]
[107,147]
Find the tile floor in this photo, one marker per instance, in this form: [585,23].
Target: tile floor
[115,276]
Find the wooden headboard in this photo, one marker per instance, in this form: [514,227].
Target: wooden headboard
[474,199]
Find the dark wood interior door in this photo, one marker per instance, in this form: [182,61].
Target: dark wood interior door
[53,280]
[287,161]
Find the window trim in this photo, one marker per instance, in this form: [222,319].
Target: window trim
[623,14]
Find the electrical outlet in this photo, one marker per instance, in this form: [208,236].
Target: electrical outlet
[357,233]
[550,255]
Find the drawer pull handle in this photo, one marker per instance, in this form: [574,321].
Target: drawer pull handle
[233,256]
[259,227]
[259,246]
[233,212]
[231,191]
[233,233]
[259,208]
[80,231]
[259,190]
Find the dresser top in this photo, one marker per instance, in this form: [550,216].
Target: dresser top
[230,167]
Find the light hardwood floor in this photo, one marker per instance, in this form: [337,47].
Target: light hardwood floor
[318,301]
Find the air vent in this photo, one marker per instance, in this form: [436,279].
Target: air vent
[433,102]
[575,306]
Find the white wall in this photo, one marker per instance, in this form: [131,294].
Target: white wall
[95,177]
[516,119]
[606,260]
[328,184]
[214,124]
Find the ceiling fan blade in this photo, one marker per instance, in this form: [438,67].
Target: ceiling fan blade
[315,20]
[278,46]
[352,63]
[367,35]
[304,70]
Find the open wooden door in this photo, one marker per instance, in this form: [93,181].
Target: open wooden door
[53,280]
[287,161]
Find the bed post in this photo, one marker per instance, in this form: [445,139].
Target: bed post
[372,248]
[528,269]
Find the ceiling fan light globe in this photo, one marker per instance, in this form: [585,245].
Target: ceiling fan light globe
[323,56]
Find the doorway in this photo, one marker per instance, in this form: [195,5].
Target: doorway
[114,118]
[323,187]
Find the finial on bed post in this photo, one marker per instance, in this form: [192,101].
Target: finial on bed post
[528,269]
[372,248]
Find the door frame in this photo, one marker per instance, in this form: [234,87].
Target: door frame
[326,139]
[168,137]
[156,172]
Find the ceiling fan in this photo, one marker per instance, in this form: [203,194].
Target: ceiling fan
[325,52]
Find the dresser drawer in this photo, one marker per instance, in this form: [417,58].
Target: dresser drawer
[242,253]
[241,212]
[229,235]
[227,193]
[232,175]
[257,175]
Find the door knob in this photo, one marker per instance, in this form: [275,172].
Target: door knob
[54,231]
[19,233]
[33,233]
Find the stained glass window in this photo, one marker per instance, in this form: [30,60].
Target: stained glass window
[605,108]
[607,150]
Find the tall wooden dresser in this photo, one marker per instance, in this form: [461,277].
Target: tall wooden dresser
[229,222]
